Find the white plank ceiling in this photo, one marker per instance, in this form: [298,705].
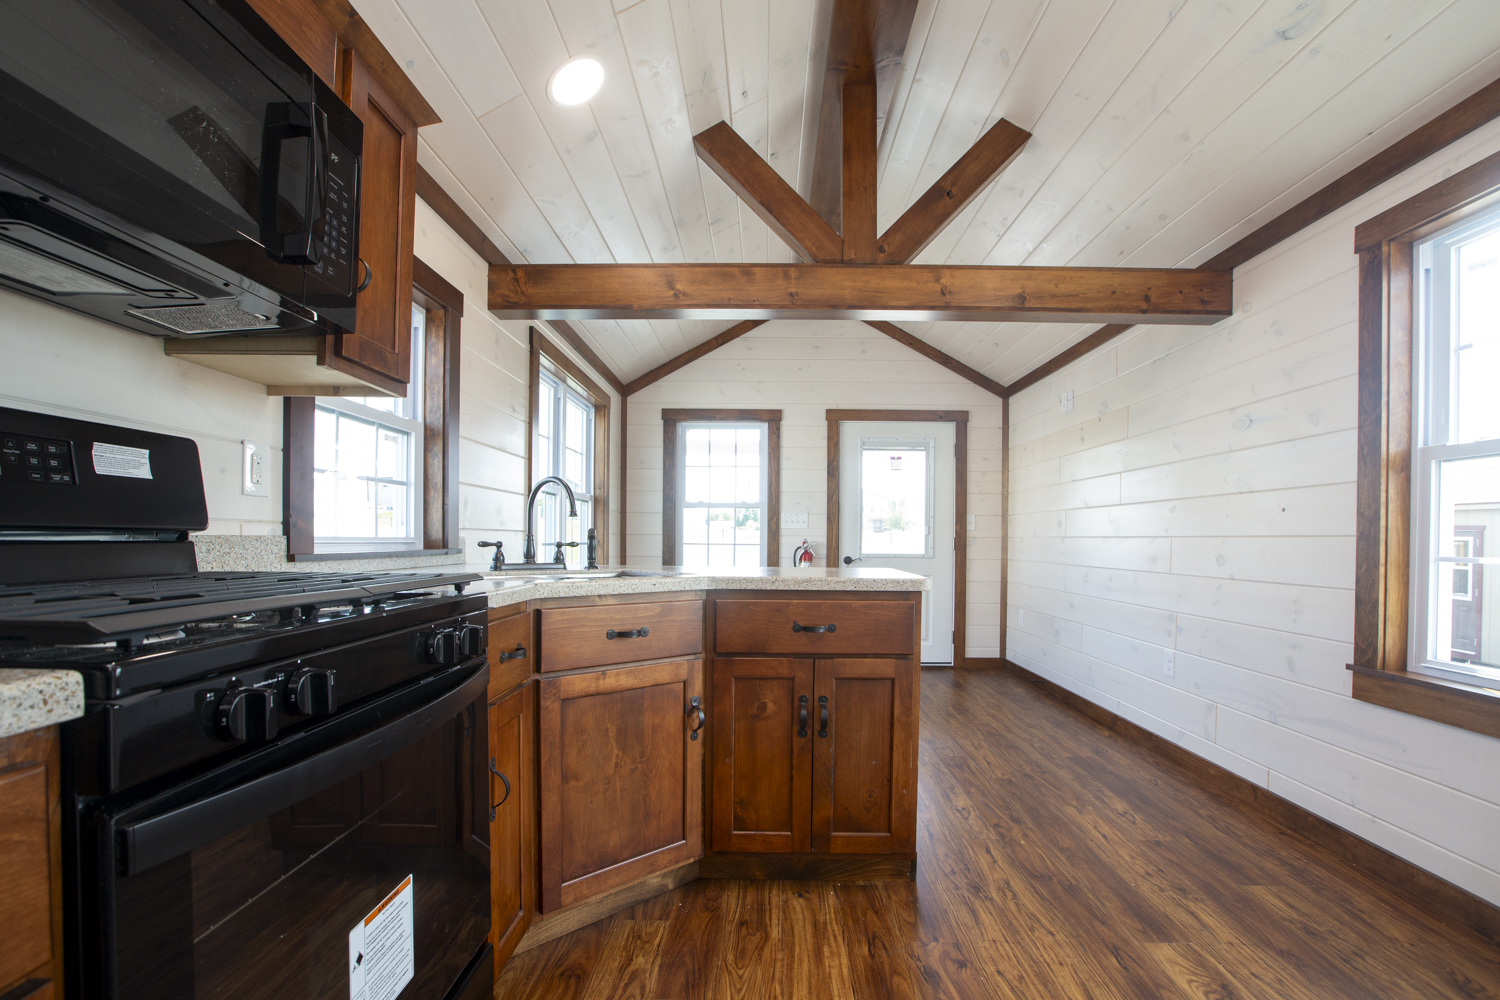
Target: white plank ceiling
[1163,130]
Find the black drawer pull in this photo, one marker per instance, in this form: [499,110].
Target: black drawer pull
[799,627]
[802,715]
[823,711]
[519,653]
[504,781]
[635,633]
[696,705]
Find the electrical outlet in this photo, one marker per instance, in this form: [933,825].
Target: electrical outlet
[1067,400]
[1169,663]
[973,523]
[790,519]
[255,477]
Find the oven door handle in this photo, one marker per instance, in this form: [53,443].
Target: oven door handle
[148,842]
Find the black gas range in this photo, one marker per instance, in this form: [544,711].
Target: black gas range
[278,785]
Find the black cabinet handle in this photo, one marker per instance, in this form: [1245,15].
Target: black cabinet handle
[519,653]
[802,715]
[635,633]
[799,627]
[370,273]
[696,705]
[823,713]
[503,780]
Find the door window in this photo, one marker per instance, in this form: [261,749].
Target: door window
[895,497]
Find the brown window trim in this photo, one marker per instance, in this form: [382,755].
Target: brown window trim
[544,351]
[1383,506]
[440,517]
[669,421]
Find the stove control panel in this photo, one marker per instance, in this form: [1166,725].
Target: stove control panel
[311,692]
[247,715]
[25,457]
[449,646]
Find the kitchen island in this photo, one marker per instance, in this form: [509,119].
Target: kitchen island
[650,727]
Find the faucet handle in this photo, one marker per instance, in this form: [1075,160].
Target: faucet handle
[498,563]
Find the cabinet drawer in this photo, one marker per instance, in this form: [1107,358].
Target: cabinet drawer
[879,627]
[510,651]
[619,633]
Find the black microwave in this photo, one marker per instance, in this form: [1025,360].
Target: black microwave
[174,167]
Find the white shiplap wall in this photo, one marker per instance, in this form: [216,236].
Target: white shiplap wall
[1182,551]
[804,369]
[493,399]
[71,365]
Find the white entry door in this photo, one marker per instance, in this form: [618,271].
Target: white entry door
[896,511]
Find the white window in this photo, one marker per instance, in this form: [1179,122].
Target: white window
[564,448]
[1456,437]
[722,491]
[896,485]
[367,464]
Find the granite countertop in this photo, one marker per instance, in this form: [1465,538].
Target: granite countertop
[506,588]
[31,699]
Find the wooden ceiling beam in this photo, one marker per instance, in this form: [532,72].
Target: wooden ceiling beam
[690,355]
[841,291]
[858,117]
[952,193]
[948,361]
[769,197]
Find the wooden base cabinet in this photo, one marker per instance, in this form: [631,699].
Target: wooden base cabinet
[621,776]
[512,821]
[814,755]
[30,857]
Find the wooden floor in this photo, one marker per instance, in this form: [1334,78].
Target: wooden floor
[1056,861]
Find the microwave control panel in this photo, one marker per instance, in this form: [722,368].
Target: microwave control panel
[340,228]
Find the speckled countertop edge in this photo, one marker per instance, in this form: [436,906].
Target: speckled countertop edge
[504,594]
[31,699]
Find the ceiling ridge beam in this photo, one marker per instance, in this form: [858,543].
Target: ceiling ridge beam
[970,174]
[1462,118]
[689,356]
[931,353]
[769,196]
[860,292]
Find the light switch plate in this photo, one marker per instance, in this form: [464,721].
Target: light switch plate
[1067,400]
[973,523]
[793,520]
[255,475]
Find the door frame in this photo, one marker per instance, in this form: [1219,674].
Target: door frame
[960,420]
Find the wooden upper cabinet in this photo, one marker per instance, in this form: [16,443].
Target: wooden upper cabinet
[309,34]
[381,340]
[621,777]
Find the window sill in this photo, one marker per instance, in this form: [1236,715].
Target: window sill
[368,554]
[1465,706]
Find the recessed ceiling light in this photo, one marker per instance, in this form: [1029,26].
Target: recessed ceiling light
[576,81]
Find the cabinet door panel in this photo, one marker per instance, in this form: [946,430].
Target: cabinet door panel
[621,777]
[762,770]
[865,768]
[381,339]
[512,853]
[25,907]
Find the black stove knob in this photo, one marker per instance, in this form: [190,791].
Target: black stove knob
[442,647]
[311,692]
[247,715]
[471,640]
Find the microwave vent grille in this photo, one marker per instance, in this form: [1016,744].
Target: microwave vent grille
[51,275]
[210,318]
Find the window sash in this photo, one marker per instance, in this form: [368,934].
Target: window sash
[762,505]
[553,444]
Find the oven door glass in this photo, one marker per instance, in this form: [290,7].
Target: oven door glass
[266,910]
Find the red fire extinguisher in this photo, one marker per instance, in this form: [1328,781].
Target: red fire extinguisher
[802,555]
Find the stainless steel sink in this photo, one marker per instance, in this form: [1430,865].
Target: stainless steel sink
[573,576]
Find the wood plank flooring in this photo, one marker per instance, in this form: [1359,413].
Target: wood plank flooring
[1056,861]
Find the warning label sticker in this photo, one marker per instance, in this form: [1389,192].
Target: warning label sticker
[121,460]
[382,952]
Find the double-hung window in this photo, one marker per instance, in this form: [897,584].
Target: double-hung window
[368,463]
[564,448]
[723,486]
[1456,462]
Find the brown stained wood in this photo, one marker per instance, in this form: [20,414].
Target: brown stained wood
[1457,121]
[882,628]
[512,840]
[510,634]
[865,769]
[624,472]
[356,36]
[298,414]
[689,356]
[925,349]
[670,418]
[857,118]
[1004,527]
[1088,344]
[767,194]
[544,352]
[761,757]
[809,867]
[442,369]
[951,193]
[773,489]
[309,34]
[1465,706]
[576,341]
[571,638]
[1065,860]
[683,415]
[441,202]
[31,857]
[843,291]
[621,780]
[555,925]
[627,968]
